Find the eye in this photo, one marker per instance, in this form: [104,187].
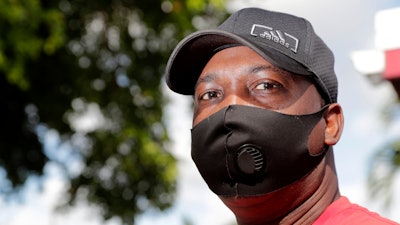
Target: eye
[267,86]
[209,95]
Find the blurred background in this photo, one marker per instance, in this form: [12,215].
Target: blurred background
[91,135]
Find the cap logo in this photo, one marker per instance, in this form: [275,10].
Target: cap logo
[277,36]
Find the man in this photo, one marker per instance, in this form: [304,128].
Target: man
[265,119]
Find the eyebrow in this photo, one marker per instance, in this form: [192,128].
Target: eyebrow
[259,68]
[252,70]
[205,79]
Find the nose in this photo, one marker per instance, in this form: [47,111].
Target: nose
[234,99]
[227,100]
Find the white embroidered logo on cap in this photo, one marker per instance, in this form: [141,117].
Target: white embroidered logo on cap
[277,36]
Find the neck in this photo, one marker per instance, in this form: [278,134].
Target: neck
[299,203]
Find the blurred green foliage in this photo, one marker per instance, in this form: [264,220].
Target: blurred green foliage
[60,60]
[384,166]
[27,30]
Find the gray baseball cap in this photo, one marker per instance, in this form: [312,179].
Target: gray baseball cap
[286,41]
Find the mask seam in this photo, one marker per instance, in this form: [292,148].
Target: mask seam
[226,145]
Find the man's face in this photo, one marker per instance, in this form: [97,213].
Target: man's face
[239,76]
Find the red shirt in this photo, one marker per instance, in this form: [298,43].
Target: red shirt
[342,212]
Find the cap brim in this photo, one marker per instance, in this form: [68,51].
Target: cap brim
[192,54]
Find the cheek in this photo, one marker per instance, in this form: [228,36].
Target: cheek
[316,140]
[307,101]
[200,115]
[196,120]
[204,111]
[196,117]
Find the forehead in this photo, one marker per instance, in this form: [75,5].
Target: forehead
[237,59]
[244,53]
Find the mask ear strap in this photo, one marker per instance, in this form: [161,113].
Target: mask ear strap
[324,150]
[324,108]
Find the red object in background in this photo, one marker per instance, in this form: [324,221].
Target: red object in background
[392,68]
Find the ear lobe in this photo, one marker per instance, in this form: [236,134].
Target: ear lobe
[334,124]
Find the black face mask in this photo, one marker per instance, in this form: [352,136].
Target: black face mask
[249,151]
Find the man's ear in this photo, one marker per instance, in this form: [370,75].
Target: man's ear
[334,123]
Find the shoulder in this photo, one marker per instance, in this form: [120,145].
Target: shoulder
[342,212]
